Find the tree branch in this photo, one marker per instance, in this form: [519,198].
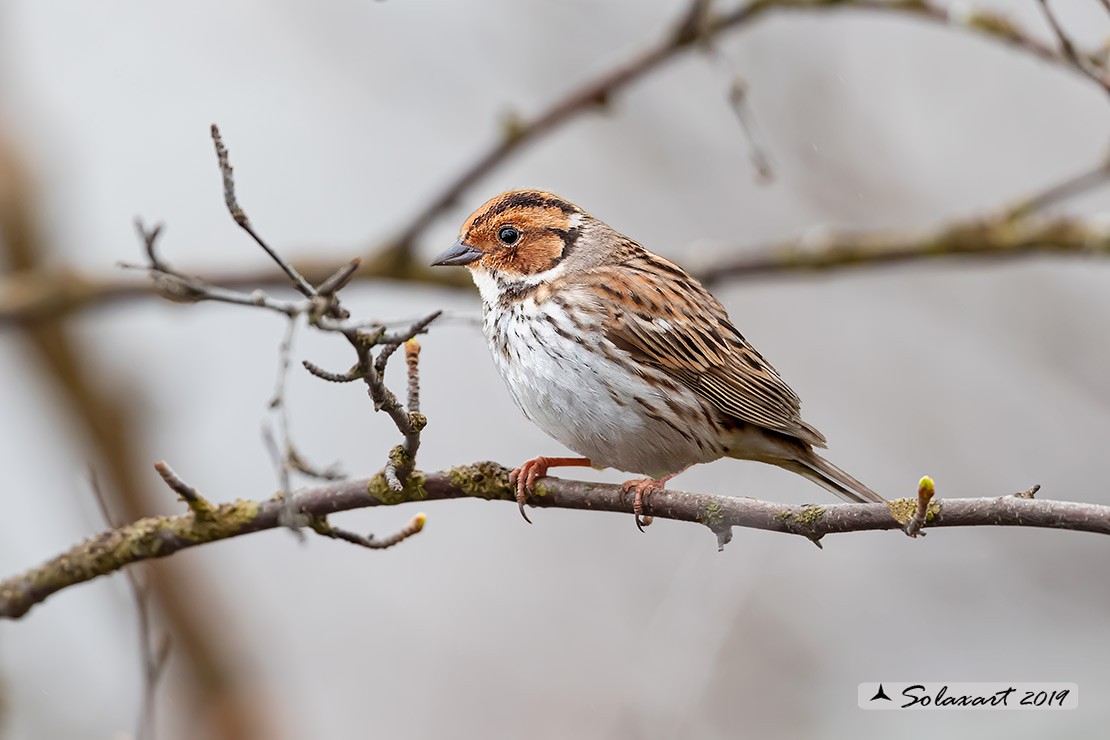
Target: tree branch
[981,239]
[1005,234]
[157,537]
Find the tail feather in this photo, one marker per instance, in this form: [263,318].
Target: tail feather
[825,474]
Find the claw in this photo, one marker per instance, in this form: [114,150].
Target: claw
[525,476]
[643,487]
[524,480]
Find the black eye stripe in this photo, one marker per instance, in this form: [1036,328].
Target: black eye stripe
[569,237]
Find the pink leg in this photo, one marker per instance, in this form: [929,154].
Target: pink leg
[525,476]
[643,487]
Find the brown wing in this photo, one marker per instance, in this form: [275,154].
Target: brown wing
[665,318]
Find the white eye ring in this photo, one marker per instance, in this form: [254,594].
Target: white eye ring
[508,235]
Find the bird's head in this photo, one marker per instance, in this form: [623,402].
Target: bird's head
[517,238]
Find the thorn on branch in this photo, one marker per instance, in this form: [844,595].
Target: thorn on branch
[201,508]
[351,375]
[1030,493]
[925,491]
[321,526]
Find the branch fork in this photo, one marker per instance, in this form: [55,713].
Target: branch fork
[323,311]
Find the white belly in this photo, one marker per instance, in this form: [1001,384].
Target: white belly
[592,403]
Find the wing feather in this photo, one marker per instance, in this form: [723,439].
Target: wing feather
[674,325]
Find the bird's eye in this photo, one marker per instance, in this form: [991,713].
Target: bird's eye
[508,235]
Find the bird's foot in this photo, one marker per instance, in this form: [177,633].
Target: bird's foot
[642,487]
[524,477]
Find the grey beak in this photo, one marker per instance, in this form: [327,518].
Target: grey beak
[460,254]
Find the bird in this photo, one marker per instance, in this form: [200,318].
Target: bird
[623,356]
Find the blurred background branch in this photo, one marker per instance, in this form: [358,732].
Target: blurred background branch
[1021,230]
[102,409]
[31,293]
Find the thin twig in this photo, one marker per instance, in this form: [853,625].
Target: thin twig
[149,238]
[400,336]
[322,527]
[392,340]
[331,472]
[384,354]
[287,455]
[1079,61]
[282,442]
[347,377]
[1065,42]
[1066,189]
[154,658]
[738,101]
[161,536]
[199,505]
[240,217]
[340,278]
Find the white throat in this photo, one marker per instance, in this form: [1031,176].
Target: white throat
[491,289]
[488,287]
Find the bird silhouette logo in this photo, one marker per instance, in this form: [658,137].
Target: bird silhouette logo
[880,694]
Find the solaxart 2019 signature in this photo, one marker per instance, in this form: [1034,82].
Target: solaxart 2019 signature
[1010,696]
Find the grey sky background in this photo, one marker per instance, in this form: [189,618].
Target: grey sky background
[343,117]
